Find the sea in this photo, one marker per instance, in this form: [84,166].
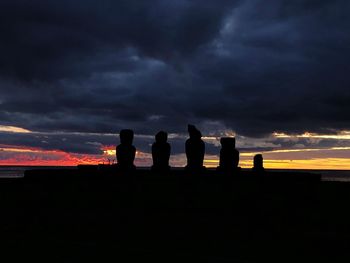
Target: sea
[326,175]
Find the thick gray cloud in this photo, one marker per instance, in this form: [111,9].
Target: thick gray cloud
[252,66]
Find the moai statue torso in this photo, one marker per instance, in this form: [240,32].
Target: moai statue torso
[229,155]
[125,151]
[258,163]
[195,149]
[161,152]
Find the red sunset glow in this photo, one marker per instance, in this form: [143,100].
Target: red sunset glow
[37,157]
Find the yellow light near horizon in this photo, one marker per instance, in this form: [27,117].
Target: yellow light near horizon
[343,135]
[211,163]
[312,164]
[109,152]
[4,128]
[20,150]
[208,138]
[251,154]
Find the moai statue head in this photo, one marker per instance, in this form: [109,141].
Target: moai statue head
[161,137]
[258,162]
[228,142]
[126,136]
[194,132]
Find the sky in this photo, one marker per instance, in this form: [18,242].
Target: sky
[274,74]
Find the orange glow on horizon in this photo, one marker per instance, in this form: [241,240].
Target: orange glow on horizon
[251,154]
[18,155]
[313,164]
[277,159]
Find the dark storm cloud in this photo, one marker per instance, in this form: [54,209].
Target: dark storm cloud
[251,66]
[280,67]
[51,39]
[85,144]
[309,143]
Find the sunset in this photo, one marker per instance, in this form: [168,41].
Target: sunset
[175,131]
[280,150]
[276,78]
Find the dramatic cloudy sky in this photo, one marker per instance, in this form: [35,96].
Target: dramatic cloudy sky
[273,73]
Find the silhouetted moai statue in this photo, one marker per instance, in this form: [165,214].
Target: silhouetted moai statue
[161,152]
[125,150]
[229,155]
[258,163]
[195,149]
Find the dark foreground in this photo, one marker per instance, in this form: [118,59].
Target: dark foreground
[70,216]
